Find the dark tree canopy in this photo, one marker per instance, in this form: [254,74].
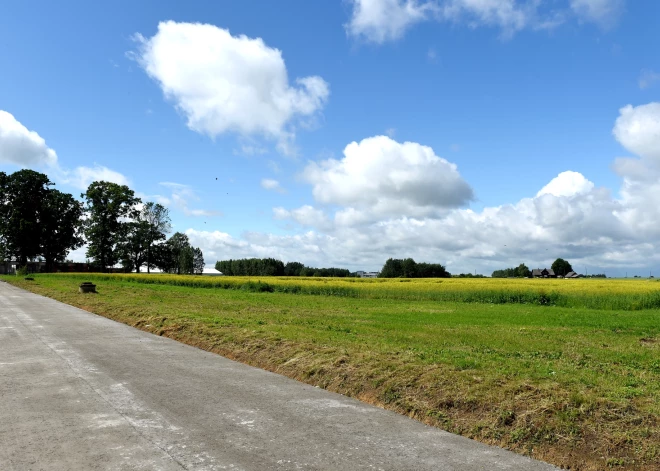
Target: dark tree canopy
[178,244]
[292,268]
[198,261]
[561,267]
[157,220]
[62,227]
[275,267]
[408,268]
[134,246]
[178,256]
[521,271]
[149,226]
[36,220]
[22,198]
[108,205]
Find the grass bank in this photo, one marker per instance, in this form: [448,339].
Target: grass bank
[572,386]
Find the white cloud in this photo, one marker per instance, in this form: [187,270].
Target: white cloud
[603,12]
[386,177]
[82,177]
[274,166]
[22,147]
[223,83]
[567,184]
[270,184]
[638,130]
[250,150]
[181,198]
[305,216]
[509,15]
[570,217]
[379,21]
[648,78]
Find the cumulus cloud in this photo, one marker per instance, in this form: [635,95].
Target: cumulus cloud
[509,15]
[223,83]
[638,130]
[82,177]
[181,198]
[22,147]
[386,177]
[567,184]
[273,185]
[603,12]
[569,217]
[305,216]
[379,21]
[648,78]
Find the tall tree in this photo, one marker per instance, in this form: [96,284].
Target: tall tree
[179,244]
[61,227]
[522,271]
[293,268]
[163,258]
[149,226]
[178,256]
[134,246]
[157,218]
[22,197]
[186,261]
[198,261]
[561,267]
[393,268]
[4,180]
[108,206]
[409,267]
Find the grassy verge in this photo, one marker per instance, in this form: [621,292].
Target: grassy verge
[575,387]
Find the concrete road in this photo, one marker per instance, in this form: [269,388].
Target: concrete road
[81,392]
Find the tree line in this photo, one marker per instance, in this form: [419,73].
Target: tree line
[408,268]
[521,271]
[40,222]
[560,266]
[274,267]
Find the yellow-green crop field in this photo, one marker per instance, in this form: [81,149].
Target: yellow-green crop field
[593,293]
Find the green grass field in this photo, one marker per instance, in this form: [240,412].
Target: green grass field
[574,386]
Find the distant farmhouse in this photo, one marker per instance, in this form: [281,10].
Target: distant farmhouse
[545,273]
[550,273]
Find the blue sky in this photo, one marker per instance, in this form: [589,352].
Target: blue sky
[343,133]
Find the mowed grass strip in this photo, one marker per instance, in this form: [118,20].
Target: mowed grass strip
[575,387]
